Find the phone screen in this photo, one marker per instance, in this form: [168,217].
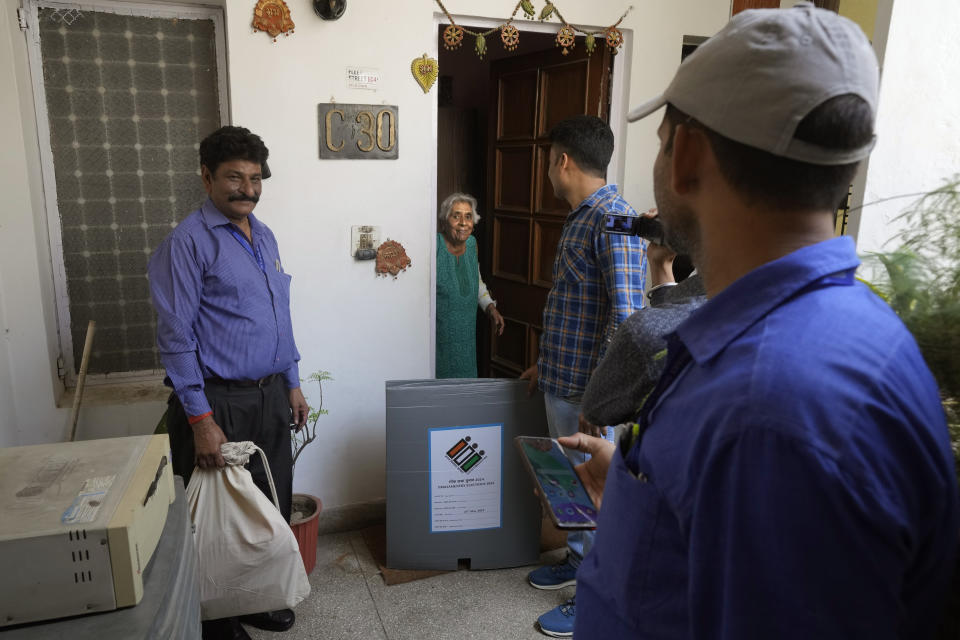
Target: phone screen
[570,506]
[616,223]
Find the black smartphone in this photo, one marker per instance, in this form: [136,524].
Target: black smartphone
[560,489]
[647,228]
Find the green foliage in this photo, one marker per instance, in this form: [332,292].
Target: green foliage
[922,284]
[300,439]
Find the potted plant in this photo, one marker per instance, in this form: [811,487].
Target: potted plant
[306,508]
[920,279]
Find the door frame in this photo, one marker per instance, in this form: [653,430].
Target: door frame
[619,93]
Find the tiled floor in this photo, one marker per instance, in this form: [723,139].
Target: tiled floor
[350,600]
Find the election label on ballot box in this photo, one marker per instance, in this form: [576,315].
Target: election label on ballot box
[455,492]
[465,477]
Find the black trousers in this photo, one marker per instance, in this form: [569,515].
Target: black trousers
[260,414]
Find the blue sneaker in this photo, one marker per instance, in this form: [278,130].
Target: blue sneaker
[555,576]
[558,622]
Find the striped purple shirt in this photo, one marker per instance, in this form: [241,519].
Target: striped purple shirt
[218,313]
[598,281]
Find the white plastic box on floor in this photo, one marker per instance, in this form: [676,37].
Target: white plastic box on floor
[456,488]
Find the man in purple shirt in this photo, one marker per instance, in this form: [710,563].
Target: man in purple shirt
[225,336]
[791,475]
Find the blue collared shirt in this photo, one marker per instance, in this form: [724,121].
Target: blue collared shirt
[794,479]
[598,281]
[218,313]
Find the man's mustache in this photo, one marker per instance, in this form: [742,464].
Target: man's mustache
[241,197]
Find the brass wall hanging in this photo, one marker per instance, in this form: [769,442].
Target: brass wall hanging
[392,259]
[425,70]
[454,34]
[359,131]
[272,16]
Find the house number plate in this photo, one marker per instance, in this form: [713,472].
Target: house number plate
[358,131]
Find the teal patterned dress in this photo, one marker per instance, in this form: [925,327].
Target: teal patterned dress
[458,282]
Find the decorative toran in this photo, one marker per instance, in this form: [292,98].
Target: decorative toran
[272,16]
[510,35]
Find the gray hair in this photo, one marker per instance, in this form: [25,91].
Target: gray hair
[447,206]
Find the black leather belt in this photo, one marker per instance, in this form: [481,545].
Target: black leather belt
[261,383]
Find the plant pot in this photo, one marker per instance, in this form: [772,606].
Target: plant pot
[305,524]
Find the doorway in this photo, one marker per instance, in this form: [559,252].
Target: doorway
[494,116]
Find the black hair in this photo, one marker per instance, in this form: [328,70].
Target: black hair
[232,143]
[764,179]
[586,139]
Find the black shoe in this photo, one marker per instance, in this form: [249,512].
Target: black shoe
[224,629]
[271,620]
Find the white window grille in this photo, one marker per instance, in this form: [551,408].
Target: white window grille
[124,94]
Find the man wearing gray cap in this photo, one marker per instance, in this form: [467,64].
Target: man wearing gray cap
[790,476]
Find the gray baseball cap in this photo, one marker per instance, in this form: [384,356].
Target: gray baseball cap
[759,76]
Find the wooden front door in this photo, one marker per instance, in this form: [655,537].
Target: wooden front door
[529,95]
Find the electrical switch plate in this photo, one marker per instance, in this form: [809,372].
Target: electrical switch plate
[364,241]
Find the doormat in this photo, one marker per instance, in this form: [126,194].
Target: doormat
[375,538]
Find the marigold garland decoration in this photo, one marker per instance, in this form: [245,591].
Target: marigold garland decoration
[452,37]
[566,38]
[548,10]
[272,16]
[614,39]
[590,42]
[480,46]
[510,36]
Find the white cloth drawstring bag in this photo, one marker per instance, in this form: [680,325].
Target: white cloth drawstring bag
[249,560]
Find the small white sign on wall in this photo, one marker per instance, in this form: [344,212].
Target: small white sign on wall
[363,78]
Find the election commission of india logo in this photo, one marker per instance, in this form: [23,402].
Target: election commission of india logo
[465,455]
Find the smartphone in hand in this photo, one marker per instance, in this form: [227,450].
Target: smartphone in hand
[647,228]
[560,489]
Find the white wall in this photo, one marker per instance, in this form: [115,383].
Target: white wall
[11,160]
[8,414]
[657,28]
[28,377]
[363,329]
[918,124]
[29,386]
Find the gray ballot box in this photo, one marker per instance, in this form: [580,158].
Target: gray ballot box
[456,488]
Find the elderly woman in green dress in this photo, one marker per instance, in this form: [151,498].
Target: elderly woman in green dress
[460,289]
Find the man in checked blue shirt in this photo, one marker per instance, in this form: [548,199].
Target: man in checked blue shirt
[225,336]
[598,282]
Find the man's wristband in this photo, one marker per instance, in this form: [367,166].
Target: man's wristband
[195,419]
